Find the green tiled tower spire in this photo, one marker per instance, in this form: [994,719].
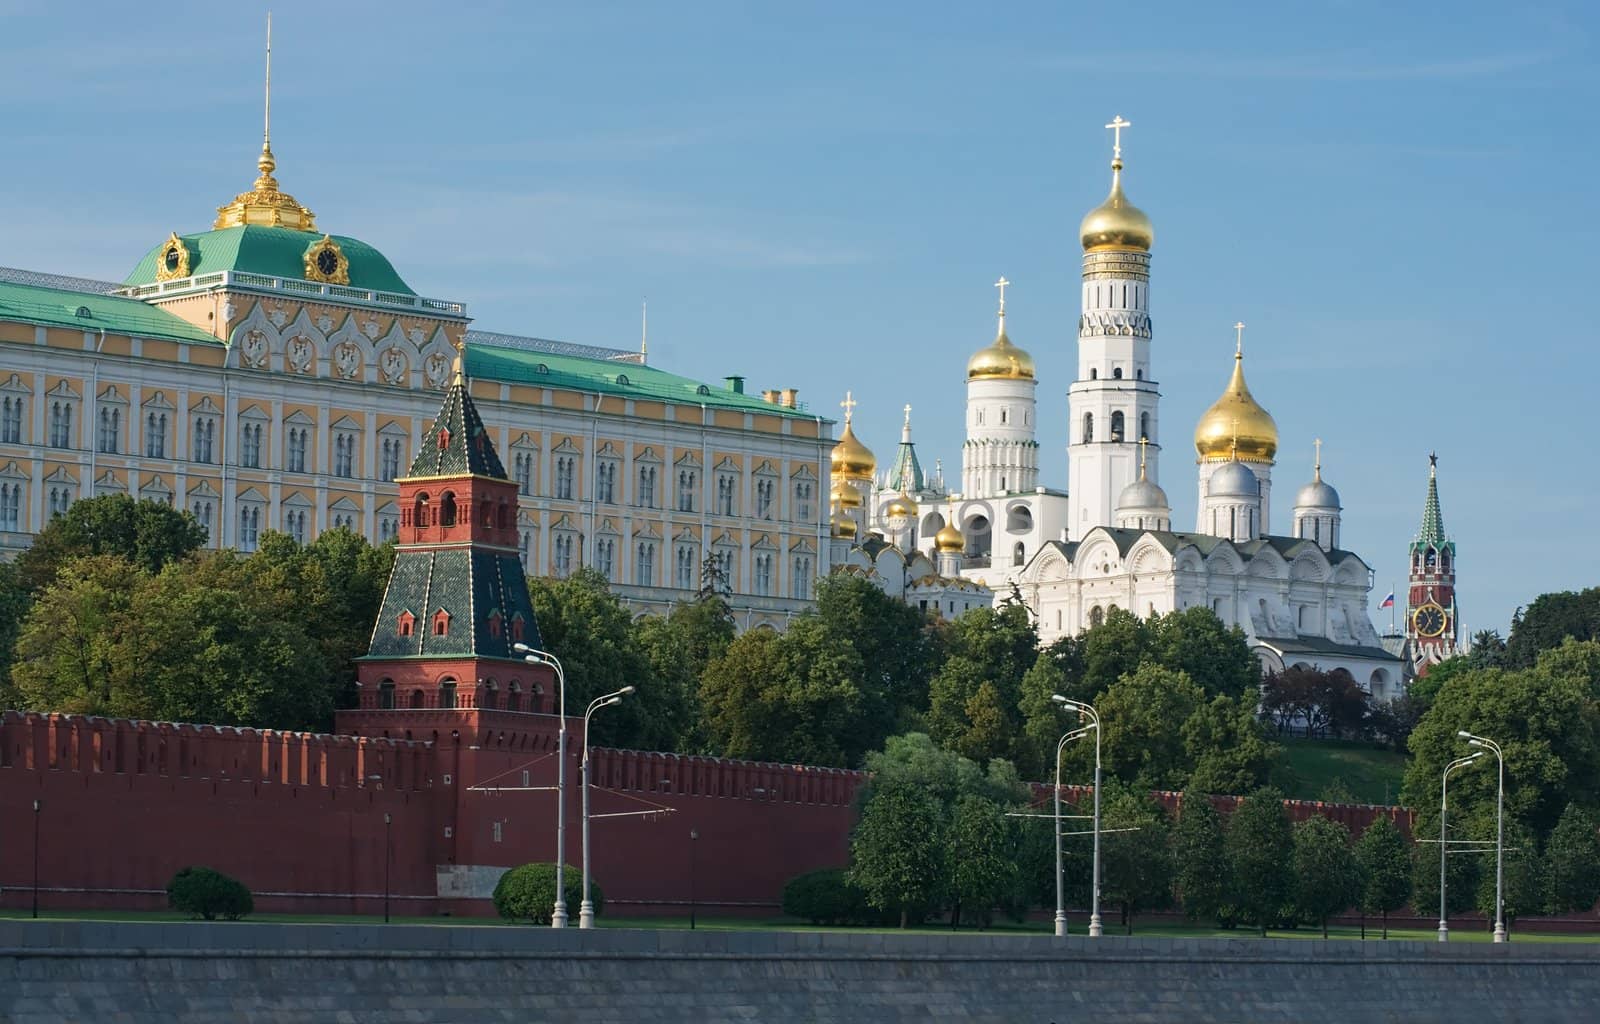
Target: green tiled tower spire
[1432,532]
[457,596]
[905,476]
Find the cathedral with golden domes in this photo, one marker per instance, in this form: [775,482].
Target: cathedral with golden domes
[1108,541]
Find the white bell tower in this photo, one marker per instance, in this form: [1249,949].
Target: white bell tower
[1114,402]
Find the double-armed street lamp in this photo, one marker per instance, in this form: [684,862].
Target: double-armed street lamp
[586,908]
[1084,710]
[558,916]
[1444,792]
[1499,831]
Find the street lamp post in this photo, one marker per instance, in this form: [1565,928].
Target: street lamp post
[586,908]
[1085,709]
[38,805]
[558,916]
[1499,831]
[1444,792]
[694,836]
[388,858]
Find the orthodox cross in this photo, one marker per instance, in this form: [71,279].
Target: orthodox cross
[1116,126]
[908,414]
[1001,284]
[849,405]
[1238,341]
[1318,443]
[1142,442]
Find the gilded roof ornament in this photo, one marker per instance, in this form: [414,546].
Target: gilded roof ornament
[265,205]
[1116,223]
[173,264]
[850,457]
[1001,358]
[1236,425]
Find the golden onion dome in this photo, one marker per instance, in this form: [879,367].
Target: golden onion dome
[901,506]
[1236,418]
[845,495]
[1116,223]
[842,526]
[949,539]
[851,457]
[1000,359]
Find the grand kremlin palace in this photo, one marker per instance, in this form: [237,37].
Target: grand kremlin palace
[265,375]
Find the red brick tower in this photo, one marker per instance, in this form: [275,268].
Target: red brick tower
[1431,622]
[457,599]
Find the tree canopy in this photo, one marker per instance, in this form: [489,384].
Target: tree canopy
[149,534]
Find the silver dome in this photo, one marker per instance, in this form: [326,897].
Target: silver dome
[1142,493]
[1233,479]
[1317,494]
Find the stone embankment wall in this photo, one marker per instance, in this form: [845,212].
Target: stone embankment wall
[202,973]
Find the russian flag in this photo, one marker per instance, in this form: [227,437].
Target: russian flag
[1388,602]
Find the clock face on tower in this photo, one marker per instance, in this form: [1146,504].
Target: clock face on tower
[1429,620]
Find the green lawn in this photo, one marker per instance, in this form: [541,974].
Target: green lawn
[1077,925]
[1372,774]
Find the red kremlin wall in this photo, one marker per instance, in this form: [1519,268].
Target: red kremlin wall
[299,817]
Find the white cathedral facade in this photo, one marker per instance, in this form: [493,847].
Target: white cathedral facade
[1110,541]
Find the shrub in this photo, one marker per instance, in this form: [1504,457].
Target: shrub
[204,893]
[528,893]
[828,897]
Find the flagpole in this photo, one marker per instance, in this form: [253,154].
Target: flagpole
[1392,626]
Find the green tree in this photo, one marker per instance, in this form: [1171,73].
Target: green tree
[1327,878]
[1384,861]
[80,649]
[1136,867]
[1042,722]
[894,643]
[1216,656]
[791,697]
[917,761]
[1546,720]
[1525,885]
[1573,855]
[1463,868]
[1113,649]
[897,852]
[1260,848]
[14,602]
[1200,859]
[1142,716]
[592,632]
[983,869]
[149,534]
[680,645]
[1228,747]
[1550,621]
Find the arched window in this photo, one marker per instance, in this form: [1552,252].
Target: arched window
[488,515]
[1094,373]
[1097,616]
[1144,426]
[1088,427]
[441,623]
[447,693]
[1138,375]
[1116,426]
[386,695]
[419,513]
[505,516]
[514,697]
[447,509]
[1016,553]
[491,694]
[1116,373]
[416,698]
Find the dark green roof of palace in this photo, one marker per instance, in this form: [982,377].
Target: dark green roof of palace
[610,377]
[274,252]
[456,441]
[87,311]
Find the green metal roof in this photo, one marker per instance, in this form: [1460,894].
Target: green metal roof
[456,442]
[1432,533]
[57,308]
[274,252]
[609,377]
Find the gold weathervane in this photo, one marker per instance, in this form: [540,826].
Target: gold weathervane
[265,205]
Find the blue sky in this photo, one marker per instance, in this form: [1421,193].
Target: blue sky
[1398,199]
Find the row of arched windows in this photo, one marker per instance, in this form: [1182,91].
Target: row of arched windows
[1118,427]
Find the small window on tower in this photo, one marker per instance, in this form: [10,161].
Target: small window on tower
[1116,373]
[441,623]
[406,624]
[444,439]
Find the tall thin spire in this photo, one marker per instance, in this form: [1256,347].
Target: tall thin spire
[266,163]
[1432,533]
[264,205]
[644,330]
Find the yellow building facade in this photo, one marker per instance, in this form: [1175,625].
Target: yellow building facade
[265,375]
